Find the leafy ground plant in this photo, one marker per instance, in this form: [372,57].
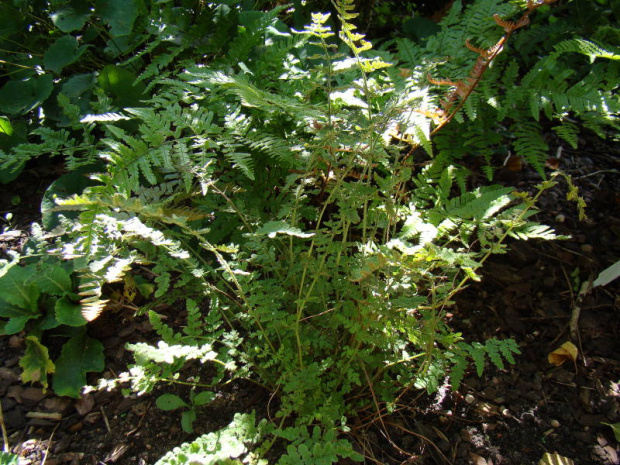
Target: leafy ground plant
[45,301]
[287,194]
[173,402]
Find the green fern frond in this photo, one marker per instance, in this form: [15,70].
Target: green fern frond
[589,48]
[252,96]
[158,64]
[457,370]
[253,33]
[90,293]
[273,146]
[534,231]
[568,131]
[318,28]
[477,353]
[480,204]
[104,118]
[242,161]
[530,145]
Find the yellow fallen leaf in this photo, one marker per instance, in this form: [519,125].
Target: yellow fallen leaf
[555,459]
[567,351]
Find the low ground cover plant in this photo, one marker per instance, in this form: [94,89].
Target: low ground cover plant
[300,193]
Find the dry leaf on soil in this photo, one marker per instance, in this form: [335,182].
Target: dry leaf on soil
[567,351]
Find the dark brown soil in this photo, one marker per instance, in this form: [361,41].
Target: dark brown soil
[512,416]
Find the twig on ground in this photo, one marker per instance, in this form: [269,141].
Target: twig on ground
[5,437]
[49,444]
[105,419]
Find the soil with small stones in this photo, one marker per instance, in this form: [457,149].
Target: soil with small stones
[539,293]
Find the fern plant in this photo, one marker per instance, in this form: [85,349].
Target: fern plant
[277,191]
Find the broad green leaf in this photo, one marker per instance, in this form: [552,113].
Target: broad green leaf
[69,313]
[62,53]
[79,355]
[203,398]
[15,289]
[19,97]
[16,324]
[119,83]
[11,20]
[119,14]
[170,402]
[77,85]
[36,362]
[71,17]
[280,227]
[6,128]
[55,280]
[6,458]
[187,420]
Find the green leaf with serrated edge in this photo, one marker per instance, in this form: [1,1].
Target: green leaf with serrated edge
[69,313]
[55,280]
[62,53]
[170,402]
[79,355]
[203,398]
[36,362]
[71,17]
[15,289]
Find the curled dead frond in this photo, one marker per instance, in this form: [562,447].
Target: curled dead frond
[464,88]
[508,26]
[440,82]
[480,51]
[524,21]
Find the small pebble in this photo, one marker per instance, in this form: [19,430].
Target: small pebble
[470,399]
[560,218]
[554,423]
